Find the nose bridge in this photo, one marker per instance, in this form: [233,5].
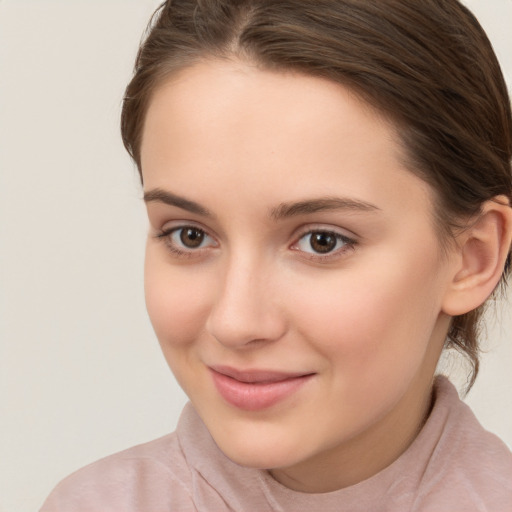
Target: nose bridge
[245,309]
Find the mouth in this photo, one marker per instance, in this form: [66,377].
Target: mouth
[253,390]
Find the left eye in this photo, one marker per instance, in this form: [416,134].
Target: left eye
[322,242]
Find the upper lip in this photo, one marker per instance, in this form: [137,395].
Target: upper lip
[257,375]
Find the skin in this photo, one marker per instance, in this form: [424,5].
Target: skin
[241,145]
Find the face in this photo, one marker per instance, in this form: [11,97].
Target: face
[293,274]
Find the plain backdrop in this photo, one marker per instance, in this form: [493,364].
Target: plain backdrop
[81,374]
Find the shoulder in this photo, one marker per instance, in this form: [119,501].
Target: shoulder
[150,476]
[470,468]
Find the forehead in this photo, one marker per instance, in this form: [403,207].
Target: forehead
[270,132]
[221,95]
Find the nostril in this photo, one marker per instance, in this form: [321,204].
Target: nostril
[238,329]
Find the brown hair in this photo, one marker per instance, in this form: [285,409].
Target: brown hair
[426,64]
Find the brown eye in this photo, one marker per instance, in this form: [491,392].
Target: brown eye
[187,241]
[323,242]
[191,237]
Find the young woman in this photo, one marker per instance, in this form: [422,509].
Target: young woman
[329,188]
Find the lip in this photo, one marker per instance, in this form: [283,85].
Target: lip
[253,390]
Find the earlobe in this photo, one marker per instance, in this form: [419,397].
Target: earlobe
[482,252]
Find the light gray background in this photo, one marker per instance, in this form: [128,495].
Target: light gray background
[81,374]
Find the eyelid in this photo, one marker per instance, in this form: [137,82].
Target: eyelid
[313,228]
[183,223]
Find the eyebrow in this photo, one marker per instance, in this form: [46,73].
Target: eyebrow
[163,196]
[282,211]
[285,210]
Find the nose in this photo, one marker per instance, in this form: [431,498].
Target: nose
[246,310]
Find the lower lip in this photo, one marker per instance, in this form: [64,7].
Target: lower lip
[251,396]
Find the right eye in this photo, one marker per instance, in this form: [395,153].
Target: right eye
[184,240]
[191,238]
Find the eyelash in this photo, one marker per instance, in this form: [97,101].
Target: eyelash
[166,236]
[348,243]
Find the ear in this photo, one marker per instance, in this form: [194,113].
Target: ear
[481,254]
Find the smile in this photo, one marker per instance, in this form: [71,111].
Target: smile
[254,390]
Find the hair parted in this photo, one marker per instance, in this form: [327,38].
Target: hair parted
[427,65]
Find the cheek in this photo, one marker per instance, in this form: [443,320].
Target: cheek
[372,319]
[176,301]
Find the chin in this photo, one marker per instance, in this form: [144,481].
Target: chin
[259,452]
[260,459]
